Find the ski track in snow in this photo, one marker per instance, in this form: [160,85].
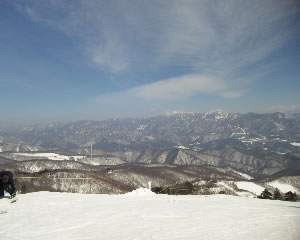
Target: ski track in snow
[46,216]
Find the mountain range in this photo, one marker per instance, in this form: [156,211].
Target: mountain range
[254,143]
[276,132]
[123,154]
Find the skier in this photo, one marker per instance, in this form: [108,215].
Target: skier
[7,183]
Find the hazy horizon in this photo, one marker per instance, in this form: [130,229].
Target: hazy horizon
[13,124]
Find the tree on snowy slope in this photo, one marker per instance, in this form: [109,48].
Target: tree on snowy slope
[277,194]
[289,196]
[265,195]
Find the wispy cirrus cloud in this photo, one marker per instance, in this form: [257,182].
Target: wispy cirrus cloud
[210,41]
[184,86]
[171,89]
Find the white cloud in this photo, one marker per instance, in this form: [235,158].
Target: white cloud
[180,87]
[173,89]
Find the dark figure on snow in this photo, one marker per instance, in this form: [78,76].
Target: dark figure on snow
[7,184]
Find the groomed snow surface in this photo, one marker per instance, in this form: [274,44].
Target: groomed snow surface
[144,215]
[250,187]
[257,189]
[51,156]
[283,187]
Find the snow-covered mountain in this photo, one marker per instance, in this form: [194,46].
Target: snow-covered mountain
[254,143]
[254,161]
[62,175]
[73,176]
[274,132]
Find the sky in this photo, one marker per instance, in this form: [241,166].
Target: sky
[93,59]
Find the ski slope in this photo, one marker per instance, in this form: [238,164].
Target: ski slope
[250,187]
[144,215]
[283,187]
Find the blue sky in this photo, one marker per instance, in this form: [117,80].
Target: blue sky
[90,59]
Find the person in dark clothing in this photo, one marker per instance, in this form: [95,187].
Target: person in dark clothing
[7,184]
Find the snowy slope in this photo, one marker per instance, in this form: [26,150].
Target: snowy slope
[51,156]
[250,187]
[283,187]
[238,192]
[145,216]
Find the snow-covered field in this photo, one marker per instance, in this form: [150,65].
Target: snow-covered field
[144,215]
[51,156]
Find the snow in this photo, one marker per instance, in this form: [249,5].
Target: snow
[244,175]
[140,192]
[218,114]
[283,187]
[244,132]
[250,187]
[279,126]
[250,140]
[142,127]
[171,113]
[241,194]
[70,216]
[182,147]
[247,141]
[239,133]
[226,186]
[295,144]
[51,156]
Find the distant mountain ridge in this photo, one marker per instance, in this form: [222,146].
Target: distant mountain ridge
[253,143]
[273,131]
